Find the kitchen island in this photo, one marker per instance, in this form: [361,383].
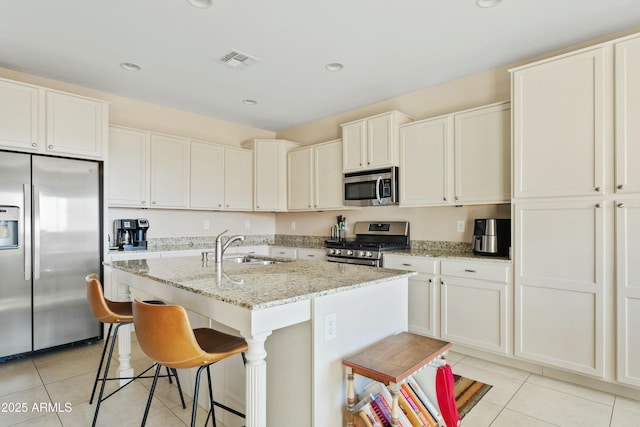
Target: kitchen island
[313,314]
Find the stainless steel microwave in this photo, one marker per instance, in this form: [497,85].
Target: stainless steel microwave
[371,188]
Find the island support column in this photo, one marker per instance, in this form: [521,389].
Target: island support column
[125,370]
[256,382]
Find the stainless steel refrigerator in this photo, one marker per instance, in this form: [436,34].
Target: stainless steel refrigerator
[50,239]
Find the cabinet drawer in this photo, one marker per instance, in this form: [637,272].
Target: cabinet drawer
[412,263]
[312,254]
[282,252]
[496,272]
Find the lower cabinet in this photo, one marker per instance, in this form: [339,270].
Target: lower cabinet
[424,294]
[475,307]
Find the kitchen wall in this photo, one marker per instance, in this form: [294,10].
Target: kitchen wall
[438,223]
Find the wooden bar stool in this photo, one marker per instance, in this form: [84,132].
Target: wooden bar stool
[165,335]
[118,314]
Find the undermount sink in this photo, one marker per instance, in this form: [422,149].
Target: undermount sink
[248,260]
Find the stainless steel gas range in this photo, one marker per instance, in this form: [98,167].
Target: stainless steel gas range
[372,239]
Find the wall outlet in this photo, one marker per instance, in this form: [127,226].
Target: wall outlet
[460,226]
[329,327]
[206,225]
[293,225]
[247,225]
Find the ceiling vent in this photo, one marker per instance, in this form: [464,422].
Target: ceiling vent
[236,59]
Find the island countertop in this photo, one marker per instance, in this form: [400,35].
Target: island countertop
[257,287]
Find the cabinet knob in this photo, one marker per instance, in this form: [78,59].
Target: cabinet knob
[442,282]
[308,206]
[598,205]
[620,186]
[430,280]
[153,203]
[598,189]
[406,264]
[227,205]
[33,144]
[457,198]
[50,147]
[144,202]
[257,206]
[444,198]
[621,205]
[220,205]
[468,270]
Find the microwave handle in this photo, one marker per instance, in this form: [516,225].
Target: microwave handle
[378,182]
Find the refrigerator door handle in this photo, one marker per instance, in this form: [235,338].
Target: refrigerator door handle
[36,232]
[26,230]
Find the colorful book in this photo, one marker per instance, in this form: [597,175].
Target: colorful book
[377,410]
[422,411]
[376,388]
[435,412]
[366,417]
[409,411]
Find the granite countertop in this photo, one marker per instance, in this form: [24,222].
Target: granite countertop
[444,253]
[257,287]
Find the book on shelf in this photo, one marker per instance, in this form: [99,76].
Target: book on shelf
[380,411]
[431,407]
[418,406]
[409,411]
[378,389]
[365,412]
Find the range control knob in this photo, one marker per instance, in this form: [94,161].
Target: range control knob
[362,254]
[349,252]
[368,254]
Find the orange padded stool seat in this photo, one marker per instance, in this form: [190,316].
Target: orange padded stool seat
[113,313]
[165,335]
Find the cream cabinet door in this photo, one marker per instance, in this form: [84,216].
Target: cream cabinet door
[206,175]
[475,304]
[169,171]
[327,174]
[354,136]
[562,122]
[628,290]
[426,162]
[482,153]
[128,167]
[76,126]
[299,178]
[19,116]
[559,284]
[424,292]
[238,179]
[381,141]
[270,168]
[627,81]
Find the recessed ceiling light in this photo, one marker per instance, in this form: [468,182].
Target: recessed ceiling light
[487,3]
[130,66]
[202,4]
[334,66]
[249,102]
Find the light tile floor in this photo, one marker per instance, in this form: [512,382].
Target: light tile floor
[65,377]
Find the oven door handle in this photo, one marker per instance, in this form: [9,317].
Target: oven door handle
[378,188]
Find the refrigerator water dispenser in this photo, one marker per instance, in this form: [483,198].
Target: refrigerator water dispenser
[9,227]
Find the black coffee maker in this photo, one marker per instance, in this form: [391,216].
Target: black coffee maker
[131,234]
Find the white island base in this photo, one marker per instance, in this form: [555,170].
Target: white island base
[294,376]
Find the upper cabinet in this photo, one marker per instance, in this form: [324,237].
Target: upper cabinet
[562,113]
[315,177]
[152,170]
[40,120]
[147,169]
[371,142]
[627,110]
[270,173]
[426,162]
[460,158]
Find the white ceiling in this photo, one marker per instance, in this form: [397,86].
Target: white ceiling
[388,48]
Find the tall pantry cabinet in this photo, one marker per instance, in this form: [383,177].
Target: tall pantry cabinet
[575,210]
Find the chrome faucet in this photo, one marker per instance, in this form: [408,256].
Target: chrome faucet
[220,248]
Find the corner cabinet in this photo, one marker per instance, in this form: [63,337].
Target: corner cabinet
[270,173]
[460,158]
[40,120]
[475,304]
[371,142]
[314,177]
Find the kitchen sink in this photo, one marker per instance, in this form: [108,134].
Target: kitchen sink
[248,260]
